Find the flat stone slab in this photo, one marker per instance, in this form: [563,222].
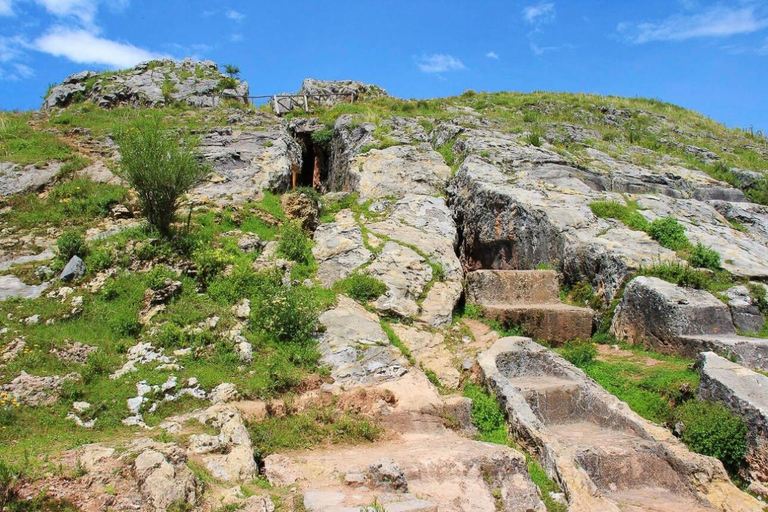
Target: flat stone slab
[12,286]
[745,393]
[605,456]
[513,287]
[554,323]
[750,352]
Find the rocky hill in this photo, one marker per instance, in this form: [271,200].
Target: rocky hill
[486,302]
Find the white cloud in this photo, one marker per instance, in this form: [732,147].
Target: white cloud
[5,8]
[439,63]
[539,14]
[492,55]
[717,21]
[234,15]
[24,71]
[236,38]
[83,47]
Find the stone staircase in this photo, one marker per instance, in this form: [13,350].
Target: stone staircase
[531,299]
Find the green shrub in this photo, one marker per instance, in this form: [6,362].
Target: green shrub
[487,415]
[361,287]
[285,315]
[711,429]
[534,136]
[157,276]
[243,283]
[209,264]
[759,296]
[226,83]
[71,243]
[323,137]
[669,233]
[704,257]
[160,167]
[578,352]
[294,243]
[10,484]
[100,258]
[124,324]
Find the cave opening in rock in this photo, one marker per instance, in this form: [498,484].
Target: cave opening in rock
[314,164]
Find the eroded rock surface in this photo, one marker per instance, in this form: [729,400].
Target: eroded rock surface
[606,457]
[743,392]
[685,321]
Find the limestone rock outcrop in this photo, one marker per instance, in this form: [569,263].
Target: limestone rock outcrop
[153,83]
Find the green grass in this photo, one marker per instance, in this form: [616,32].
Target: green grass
[75,202]
[626,213]
[22,144]
[311,428]
[649,390]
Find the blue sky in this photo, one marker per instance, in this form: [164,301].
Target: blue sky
[709,56]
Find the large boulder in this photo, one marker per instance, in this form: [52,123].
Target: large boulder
[684,321]
[743,392]
[164,478]
[154,83]
[655,312]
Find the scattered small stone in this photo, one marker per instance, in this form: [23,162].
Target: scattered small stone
[223,393]
[32,320]
[74,352]
[242,309]
[386,474]
[13,349]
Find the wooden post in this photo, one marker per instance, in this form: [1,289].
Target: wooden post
[277,105]
[306,104]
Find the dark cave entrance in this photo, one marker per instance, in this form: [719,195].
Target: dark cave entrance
[314,164]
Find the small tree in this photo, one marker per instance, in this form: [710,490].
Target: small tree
[161,166]
[231,70]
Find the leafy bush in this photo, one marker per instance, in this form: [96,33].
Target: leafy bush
[711,429]
[157,276]
[487,415]
[209,264]
[323,137]
[285,315]
[759,296]
[124,324]
[70,244]
[294,243]
[100,258]
[160,167]
[361,287]
[243,283]
[10,484]
[669,233]
[704,257]
[579,352]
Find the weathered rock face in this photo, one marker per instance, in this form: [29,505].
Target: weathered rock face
[397,170]
[34,391]
[15,179]
[518,206]
[327,93]
[339,248]
[655,311]
[154,83]
[746,314]
[677,320]
[246,162]
[606,457]
[356,347]
[744,393]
